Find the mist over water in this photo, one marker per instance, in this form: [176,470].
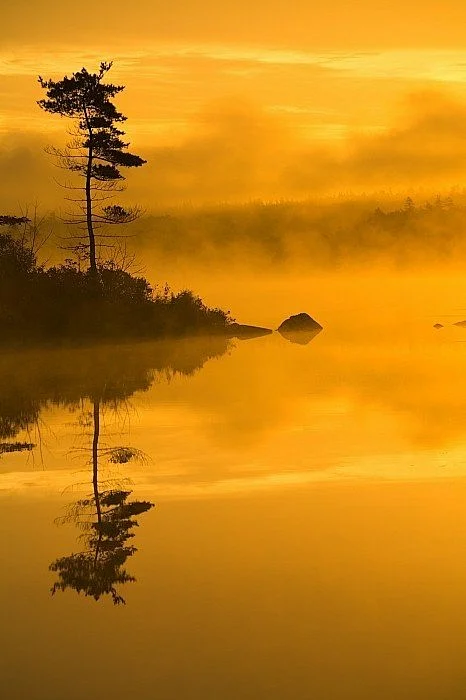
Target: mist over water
[378,363]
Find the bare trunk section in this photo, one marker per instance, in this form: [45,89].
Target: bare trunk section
[90,227]
[90,224]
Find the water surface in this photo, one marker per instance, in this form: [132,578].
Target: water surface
[257,519]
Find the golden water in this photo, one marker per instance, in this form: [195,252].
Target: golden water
[309,534]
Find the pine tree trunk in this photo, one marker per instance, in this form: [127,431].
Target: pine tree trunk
[90,224]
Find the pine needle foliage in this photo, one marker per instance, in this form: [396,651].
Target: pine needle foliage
[97,153]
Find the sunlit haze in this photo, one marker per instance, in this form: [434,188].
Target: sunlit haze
[234,102]
[233,350]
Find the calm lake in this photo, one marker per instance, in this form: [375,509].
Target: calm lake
[260,519]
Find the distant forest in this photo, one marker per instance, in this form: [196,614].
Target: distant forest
[325,234]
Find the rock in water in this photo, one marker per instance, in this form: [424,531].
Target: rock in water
[461,324]
[300,322]
[300,329]
[438,326]
[244,332]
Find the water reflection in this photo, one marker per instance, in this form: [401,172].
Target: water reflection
[300,337]
[386,400]
[300,589]
[9,447]
[106,519]
[102,378]
[36,380]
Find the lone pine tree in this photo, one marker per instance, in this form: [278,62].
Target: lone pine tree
[96,153]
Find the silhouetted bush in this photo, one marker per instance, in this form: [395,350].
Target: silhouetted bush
[63,302]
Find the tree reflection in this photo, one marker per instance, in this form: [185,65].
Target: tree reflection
[32,381]
[10,447]
[107,519]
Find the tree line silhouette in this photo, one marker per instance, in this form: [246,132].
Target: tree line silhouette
[61,303]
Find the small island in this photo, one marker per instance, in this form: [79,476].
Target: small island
[63,303]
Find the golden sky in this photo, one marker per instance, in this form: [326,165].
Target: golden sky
[238,100]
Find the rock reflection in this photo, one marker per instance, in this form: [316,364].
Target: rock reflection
[107,519]
[300,337]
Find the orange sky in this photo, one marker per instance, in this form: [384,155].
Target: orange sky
[340,24]
[241,100]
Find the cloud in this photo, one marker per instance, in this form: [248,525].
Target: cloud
[429,148]
[236,151]
[25,173]
[239,152]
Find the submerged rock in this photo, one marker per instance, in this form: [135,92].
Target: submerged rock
[438,326]
[245,332]
[461,324]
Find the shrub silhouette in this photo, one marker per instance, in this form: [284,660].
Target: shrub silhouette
[60,302]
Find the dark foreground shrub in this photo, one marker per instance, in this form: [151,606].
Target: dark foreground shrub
[63,302]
